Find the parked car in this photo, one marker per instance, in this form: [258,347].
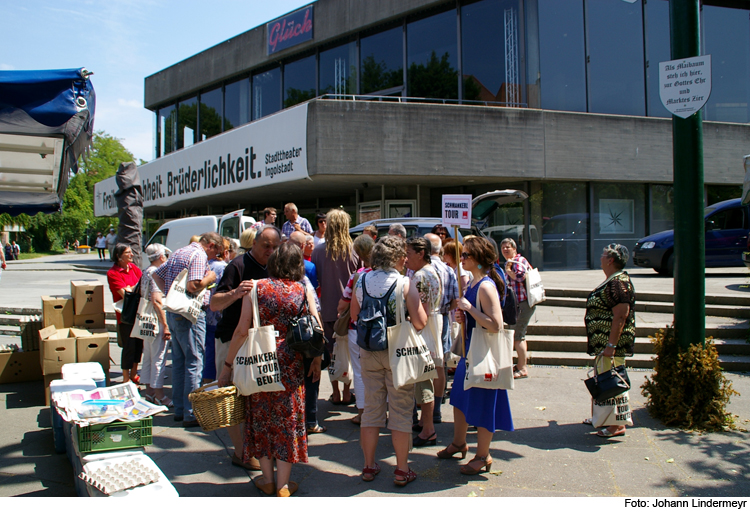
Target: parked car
[727,228]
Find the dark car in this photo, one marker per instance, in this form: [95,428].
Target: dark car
[727,227]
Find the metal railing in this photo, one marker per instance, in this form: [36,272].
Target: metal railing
[420,100]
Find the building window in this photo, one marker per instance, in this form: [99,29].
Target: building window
[338,70]
[187,122]
[662,208]
[432,56]
[382,62]
[615,57]
[491,36]
[562,55]
[565,228]
[726,37]
[236,104]
[211,114]
[167,130]
[299,81]
[657,50]
[619,215]
[266,93]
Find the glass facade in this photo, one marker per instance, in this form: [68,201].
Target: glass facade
[166,130]
[662,208]
[657,50]
[382,61]
[619,215]
[187,122]
[299,81]
[236,104]
[266,94]
[338,70]
[432,56]
[211,114]
[565,228]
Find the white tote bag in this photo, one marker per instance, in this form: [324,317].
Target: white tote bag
[534,287]
[489,360]
[408,354]
[256,365]
[614,411]
[181,302]
[146,324]
[340,368]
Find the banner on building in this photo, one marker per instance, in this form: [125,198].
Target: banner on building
[261,153]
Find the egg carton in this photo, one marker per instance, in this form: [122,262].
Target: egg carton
[10,348]
[111,477]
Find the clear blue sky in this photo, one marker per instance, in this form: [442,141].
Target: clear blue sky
[122,42]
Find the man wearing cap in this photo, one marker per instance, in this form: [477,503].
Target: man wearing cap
[111,241]
[237,282]
[188,339]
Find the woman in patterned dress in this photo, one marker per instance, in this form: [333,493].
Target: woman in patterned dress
[610,319]
[275,421]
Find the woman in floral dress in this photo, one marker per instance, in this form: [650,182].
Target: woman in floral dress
[275,421]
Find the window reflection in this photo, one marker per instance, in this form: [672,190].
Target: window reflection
[382,61]
[210,120]
[167,129]
[266,93]
[727,40]
[619,215]
[657,50]
[236,104]
[562,55]
[187,123]
[491,45]
[615,47]
[433,57]
[565,229]
[662,208]
[338,70]
[299,81]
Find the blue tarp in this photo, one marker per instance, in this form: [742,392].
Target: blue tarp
[50,103]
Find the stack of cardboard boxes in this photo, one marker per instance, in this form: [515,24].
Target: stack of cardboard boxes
[73,330]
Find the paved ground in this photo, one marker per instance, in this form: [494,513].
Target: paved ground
[550,453]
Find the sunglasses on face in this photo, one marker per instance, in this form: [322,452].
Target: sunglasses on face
[465,255]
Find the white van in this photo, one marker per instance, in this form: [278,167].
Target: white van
[176,233]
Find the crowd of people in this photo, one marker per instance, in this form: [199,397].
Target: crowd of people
[335,275]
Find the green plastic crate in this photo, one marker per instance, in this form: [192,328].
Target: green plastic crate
[116,435]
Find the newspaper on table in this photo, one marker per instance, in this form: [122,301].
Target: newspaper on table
[104,405]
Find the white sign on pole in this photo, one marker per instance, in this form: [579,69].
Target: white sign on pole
[457,210]
[685,85]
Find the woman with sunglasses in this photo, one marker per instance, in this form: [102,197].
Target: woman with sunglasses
[319,237]
[488,410]
[441,231]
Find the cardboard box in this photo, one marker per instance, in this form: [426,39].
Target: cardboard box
[92,346]
[57,310]
[89,321]
[88,297]
[48,378]
[19,367]
[58,347]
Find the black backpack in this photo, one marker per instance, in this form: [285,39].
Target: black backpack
[372,323]
[509,302]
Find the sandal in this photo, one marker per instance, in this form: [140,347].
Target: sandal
[520,375]
[163,402]
[316,429]
[408,477]
[588,421]
[425,442]
[151,398]
[336,403]
[266,488]
[352,400]
[369,473]
[471,471]
[452,450]
[287,491]
[356,420]
[605,433]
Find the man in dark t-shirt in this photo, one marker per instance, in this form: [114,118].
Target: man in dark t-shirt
[234,285]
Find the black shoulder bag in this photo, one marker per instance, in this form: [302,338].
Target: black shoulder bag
[305,335]
[130,302]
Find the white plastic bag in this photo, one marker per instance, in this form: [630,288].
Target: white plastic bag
[340,368]
[534,287]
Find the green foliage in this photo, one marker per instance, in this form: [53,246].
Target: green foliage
[376,76]
[688,388]
[435,79]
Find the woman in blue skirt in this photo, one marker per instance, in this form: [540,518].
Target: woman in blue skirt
[488,410]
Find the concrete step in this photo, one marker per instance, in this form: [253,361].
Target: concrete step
[739,330]
[734,363]
[657,297]
[713,310]
[643,345]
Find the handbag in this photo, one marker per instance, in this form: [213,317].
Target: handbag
[304,334]
[340,368]
[130,302]
[608,384]
[489,361]
[613,411]
[256,365]
[341,326]
[534,287]
[146,324]
[408,354]
[181,302]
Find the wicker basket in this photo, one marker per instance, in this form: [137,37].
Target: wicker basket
[218,408]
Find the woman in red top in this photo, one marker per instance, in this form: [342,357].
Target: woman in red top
[123,276]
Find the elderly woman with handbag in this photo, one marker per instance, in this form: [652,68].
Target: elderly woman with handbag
[275,421]
[610,320]
[387,260]
[488,410]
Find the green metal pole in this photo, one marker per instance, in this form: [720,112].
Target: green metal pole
[687,148]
